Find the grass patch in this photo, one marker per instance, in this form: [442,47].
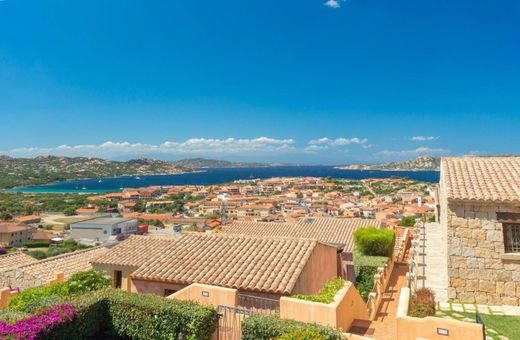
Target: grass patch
[508,326]
[361,260]
[326,294]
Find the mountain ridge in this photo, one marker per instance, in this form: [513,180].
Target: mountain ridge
[421,163]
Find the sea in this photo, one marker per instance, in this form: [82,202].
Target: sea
[218,176]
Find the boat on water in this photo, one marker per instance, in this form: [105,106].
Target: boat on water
[137,177]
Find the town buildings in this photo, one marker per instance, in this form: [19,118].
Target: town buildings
[103,228]
[14,234]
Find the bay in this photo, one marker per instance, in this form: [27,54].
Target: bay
[221,175]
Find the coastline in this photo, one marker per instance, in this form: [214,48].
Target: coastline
[13,189]
[396,170]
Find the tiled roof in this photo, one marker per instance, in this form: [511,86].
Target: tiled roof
[236,261]
[326,229]
[15,260]
[134,251]
[492,179]
[13,227]
[69,263]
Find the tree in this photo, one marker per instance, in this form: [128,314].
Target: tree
[69,211]
[407,221]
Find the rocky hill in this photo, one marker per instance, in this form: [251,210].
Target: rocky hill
[197,163]
[421,163]
[47,169]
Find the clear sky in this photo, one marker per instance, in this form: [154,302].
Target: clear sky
[298,81]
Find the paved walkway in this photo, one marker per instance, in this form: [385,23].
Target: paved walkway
[482,309]
[435,261]
[384,327]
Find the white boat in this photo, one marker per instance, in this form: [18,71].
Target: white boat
[138,177]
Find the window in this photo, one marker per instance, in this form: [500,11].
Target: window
[512,238]
[118,278]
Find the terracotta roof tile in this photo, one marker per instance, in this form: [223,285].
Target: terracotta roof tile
[134,251]
[492,179]
[69,263]
[323,229]
[15,260]
[236,261]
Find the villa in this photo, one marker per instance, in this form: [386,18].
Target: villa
[480,217]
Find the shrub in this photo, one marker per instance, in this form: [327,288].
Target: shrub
[137,316]
[35,244]
[326,294]
[86,281]
[263,327]
[32,299]
[374,241]
[407,221]
[302,334]
[38,254]
[56,251]
[39,325]
[365,281]
[10,316]
[3,251]
[423,303]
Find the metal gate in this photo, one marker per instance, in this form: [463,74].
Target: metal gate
[230,322]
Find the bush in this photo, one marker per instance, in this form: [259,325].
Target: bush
[137,316]
[326,294]
[11,316]
[374,241]
[407,221]
[33,299]
[3,251]
[365,281]
[263,327]
[302,334]
[423,303]
[38,254]
[39,325]
[55,251]
[35,244]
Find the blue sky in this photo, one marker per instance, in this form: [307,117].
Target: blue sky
[298,81]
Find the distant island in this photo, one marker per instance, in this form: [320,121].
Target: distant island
[41,170]
[201,163]
[421,163]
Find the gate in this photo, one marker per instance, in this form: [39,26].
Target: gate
[230,322]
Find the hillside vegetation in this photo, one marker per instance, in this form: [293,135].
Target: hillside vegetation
[47,169]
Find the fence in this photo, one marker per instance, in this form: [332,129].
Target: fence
[259,304]
[417,269]
[230,322]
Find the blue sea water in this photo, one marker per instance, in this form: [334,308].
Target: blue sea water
[221,175]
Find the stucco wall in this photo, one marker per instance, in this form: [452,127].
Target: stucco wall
[409,328]
[347,306]
[207,295]
[319,269]
[477,268]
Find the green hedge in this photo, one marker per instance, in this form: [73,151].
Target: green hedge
[374,241]
[326,294]
[35,244]
[32,299]
[263,327]
[138,316]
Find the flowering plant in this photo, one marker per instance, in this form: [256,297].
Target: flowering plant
[38,325]
[3,251]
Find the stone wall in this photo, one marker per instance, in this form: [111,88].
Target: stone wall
[478,270]
[17,278]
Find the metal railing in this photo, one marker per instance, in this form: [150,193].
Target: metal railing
[258,304]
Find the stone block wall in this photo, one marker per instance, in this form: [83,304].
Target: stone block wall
[17,278]
[477,269]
